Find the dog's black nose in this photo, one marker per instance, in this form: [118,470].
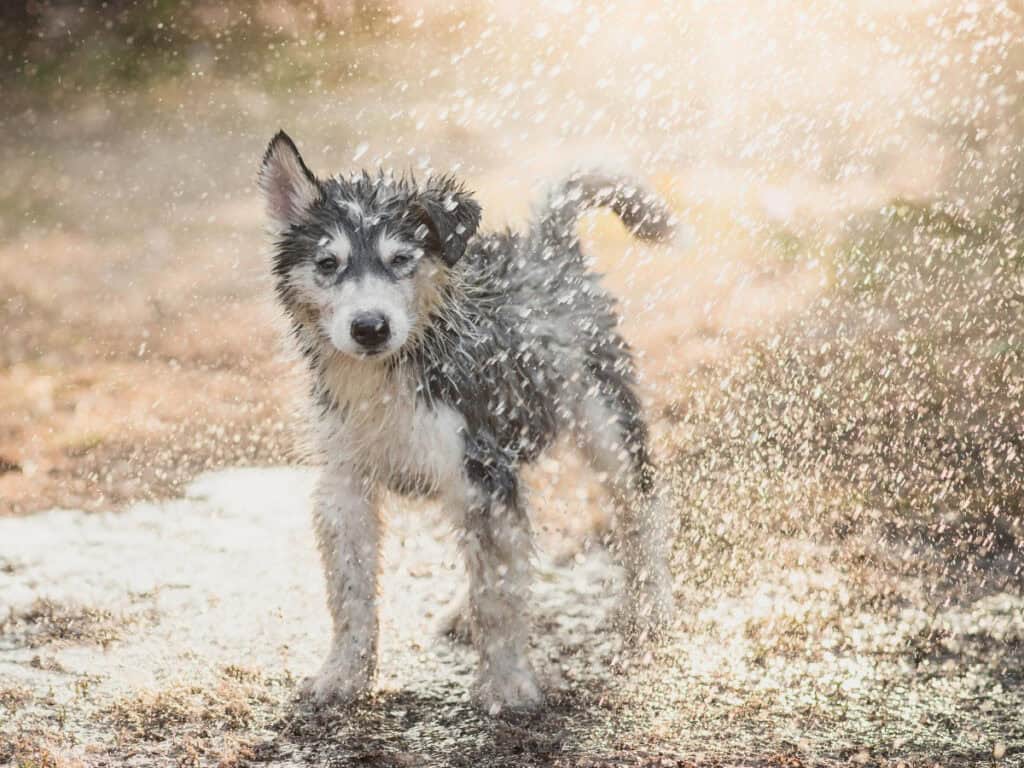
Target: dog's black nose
[370,329]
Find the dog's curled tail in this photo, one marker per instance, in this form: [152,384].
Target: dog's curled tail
[643,213]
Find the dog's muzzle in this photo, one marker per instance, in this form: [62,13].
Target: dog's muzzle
[370,330]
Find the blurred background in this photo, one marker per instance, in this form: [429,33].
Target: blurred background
[833,354]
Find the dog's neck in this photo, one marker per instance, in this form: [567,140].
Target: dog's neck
[362,384]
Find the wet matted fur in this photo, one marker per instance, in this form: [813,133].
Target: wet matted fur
[442,360]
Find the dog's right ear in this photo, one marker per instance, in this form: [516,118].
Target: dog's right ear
[450,215]
[289,187]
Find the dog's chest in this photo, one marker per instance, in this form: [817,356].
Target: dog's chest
[390,433]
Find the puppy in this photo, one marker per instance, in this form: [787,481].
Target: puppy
[441,361]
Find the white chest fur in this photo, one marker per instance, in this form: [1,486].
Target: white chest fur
[384,429]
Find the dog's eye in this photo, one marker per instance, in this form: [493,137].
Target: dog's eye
[327,265]
[400,260]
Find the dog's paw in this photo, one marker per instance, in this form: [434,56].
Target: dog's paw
[516,690]
[336,684]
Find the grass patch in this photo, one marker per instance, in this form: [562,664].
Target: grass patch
[219,723]
[46,621]
[13,698]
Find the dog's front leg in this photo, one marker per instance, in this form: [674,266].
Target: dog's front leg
[347,529]
[497,547]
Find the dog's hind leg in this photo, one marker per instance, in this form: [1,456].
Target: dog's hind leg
[347,531]
[495,541]
[611,431]
[454,621]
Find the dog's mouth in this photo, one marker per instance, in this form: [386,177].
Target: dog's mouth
[372,352]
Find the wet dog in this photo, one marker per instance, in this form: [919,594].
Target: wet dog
[442,360]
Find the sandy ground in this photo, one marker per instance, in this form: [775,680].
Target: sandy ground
[175,633]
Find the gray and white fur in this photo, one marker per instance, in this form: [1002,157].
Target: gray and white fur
[442,360]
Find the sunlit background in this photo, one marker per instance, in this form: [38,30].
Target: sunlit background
[831,358]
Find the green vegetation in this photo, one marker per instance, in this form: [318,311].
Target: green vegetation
[67,47]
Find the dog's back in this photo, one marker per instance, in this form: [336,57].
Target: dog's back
[528,334]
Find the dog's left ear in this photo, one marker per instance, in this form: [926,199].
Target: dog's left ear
[450,215]
[288,186]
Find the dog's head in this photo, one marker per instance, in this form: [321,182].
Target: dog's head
[362,260]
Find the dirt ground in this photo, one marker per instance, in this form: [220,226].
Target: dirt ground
[187,647]
[831,355]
